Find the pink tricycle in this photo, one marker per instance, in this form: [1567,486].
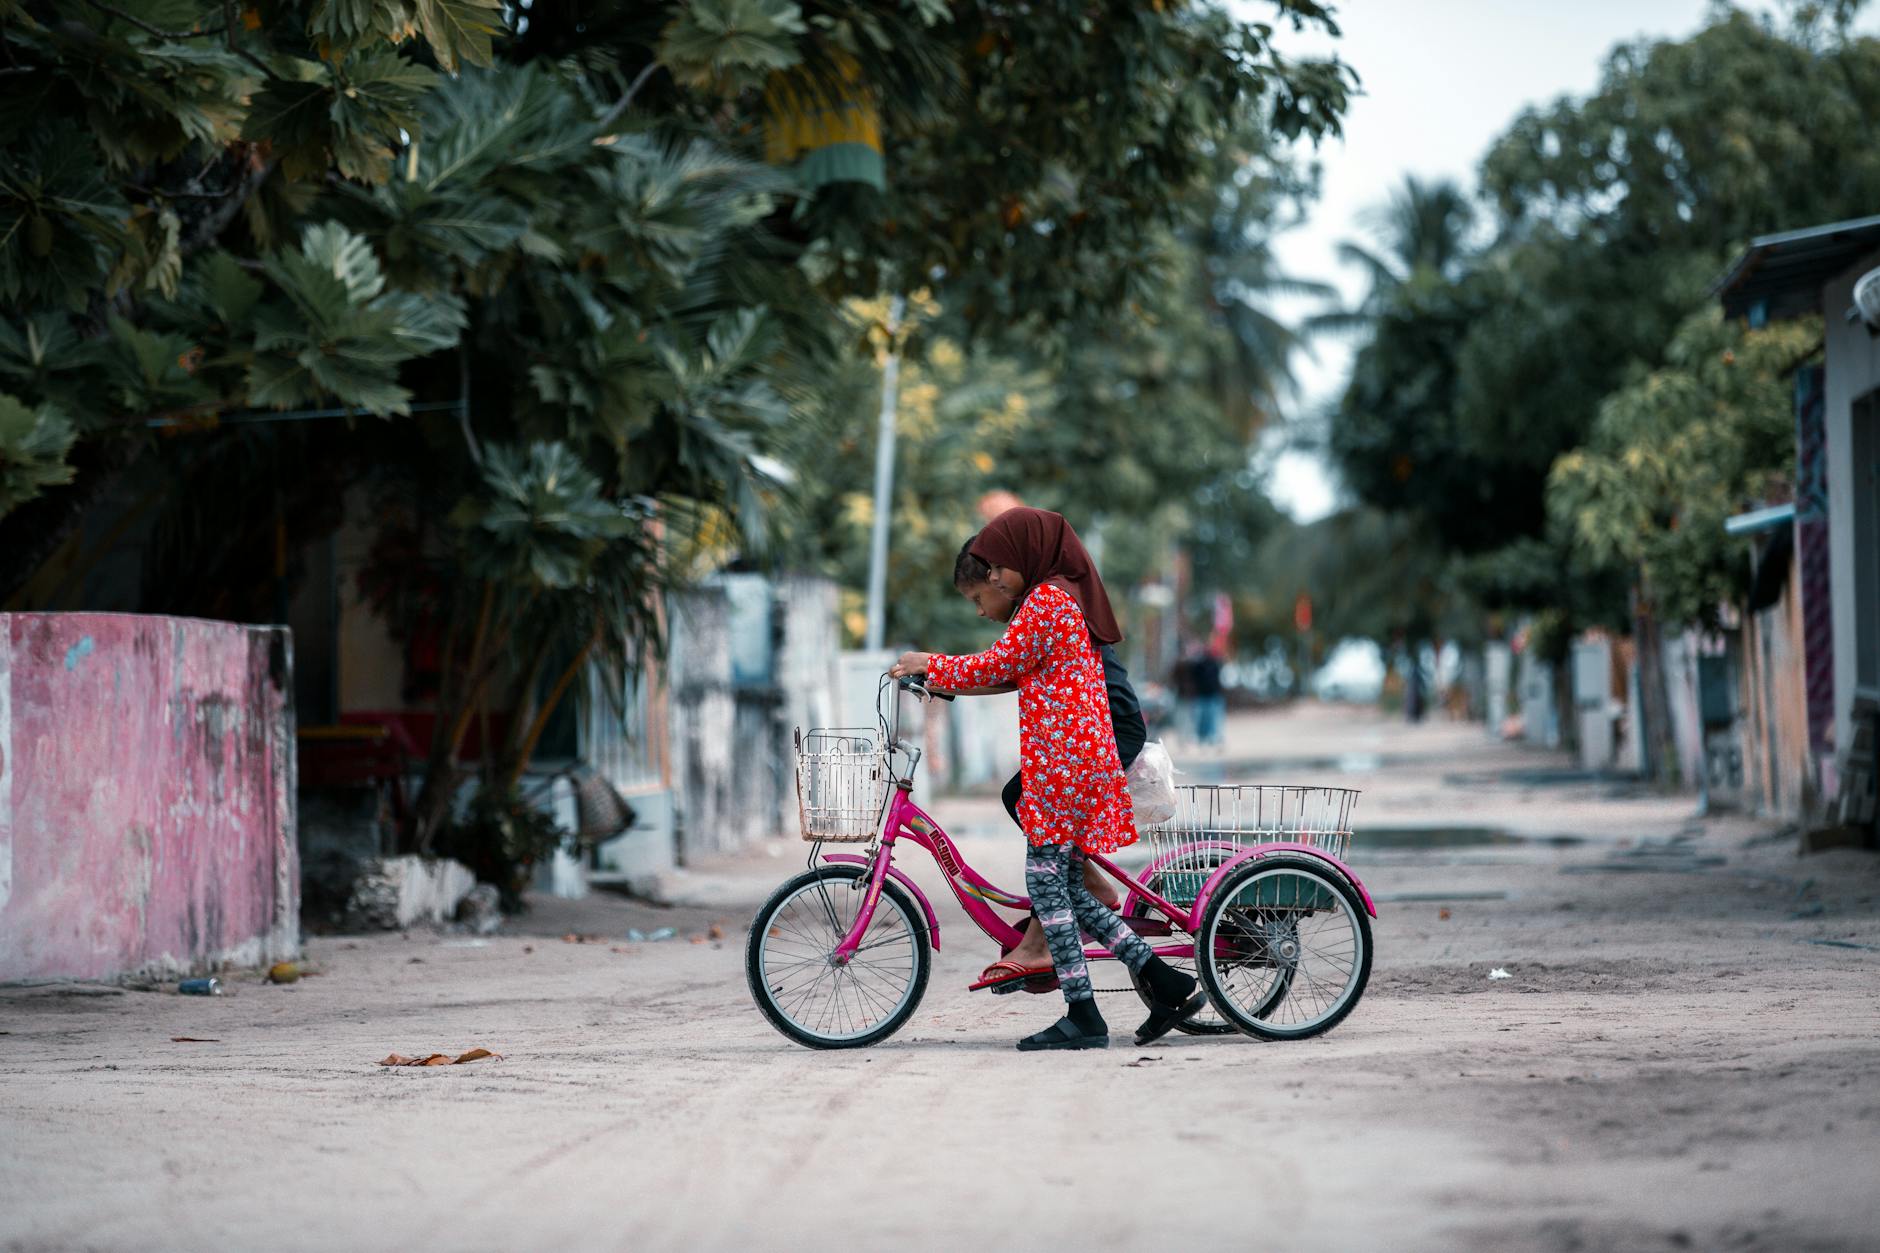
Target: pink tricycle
[1252,875]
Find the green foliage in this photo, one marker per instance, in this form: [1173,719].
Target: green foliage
[140,99]
[1614,214]
[544,521]
[1138,430]
[136,138]
[1694,143]
[43,357]
[1036,158]
[345,114]
[339,332]
[60,220]
[613,336]
[729,46]
[459,31]
[33,444]
[1368,574]
[1621,208]
[1424,233]
[1674,454]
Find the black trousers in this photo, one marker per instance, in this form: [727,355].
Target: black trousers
[1125,717]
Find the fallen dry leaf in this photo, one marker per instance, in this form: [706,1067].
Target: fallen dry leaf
[698,939]
[440,1059]
[1442,915]
[717,932]
[192,1039]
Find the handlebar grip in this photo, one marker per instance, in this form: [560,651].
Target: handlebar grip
[912,684]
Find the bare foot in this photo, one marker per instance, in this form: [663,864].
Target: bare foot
[1032,950]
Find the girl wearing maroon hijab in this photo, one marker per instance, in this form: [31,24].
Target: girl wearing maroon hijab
[1019,550]
[1072,798]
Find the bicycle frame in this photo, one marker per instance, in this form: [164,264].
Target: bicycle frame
[902,819]
[976,894]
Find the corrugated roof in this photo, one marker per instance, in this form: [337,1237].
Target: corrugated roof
[1784,273]
[1760,519]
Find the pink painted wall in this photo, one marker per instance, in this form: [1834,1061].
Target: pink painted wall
[146,796]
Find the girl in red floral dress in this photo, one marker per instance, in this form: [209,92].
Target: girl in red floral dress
[1074,799]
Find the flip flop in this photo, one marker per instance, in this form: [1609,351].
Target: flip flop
[1001,975]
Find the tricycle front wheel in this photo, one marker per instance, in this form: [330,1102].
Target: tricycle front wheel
[788,960]
[1288,948]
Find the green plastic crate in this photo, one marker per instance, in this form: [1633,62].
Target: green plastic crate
[1181,887]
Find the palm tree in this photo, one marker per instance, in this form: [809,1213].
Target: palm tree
[1240,279]
[1422,234]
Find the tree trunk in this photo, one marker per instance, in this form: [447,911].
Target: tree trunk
[547,710]
[526,707]
[1655,741]
[453,721]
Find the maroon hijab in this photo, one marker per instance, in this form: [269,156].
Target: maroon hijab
[1043,548]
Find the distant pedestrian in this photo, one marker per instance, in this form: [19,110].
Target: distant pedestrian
[1181,682]
[1210,699]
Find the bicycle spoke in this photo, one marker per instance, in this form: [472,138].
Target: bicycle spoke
[1321,974]
[801,982]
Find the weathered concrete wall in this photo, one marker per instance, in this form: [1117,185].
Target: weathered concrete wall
[808,677]
[1778,761]
[1853,370]
[703,725]
[146,795]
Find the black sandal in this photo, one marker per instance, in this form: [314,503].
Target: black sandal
[1162,1018]
[1064,1034]
[1173,997]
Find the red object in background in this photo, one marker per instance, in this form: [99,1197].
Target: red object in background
[1222,638]
[1302,613]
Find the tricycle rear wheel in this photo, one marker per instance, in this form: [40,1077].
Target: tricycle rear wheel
[1290,947]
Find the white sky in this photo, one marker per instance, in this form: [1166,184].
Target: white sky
[1440,80]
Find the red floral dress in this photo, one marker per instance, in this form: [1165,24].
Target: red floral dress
[1074,790]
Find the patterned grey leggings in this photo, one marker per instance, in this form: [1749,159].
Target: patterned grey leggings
[1054,875]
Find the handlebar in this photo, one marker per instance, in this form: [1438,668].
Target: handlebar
[914,685]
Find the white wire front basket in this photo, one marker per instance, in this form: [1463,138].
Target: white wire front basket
[1213,821]
[842,781]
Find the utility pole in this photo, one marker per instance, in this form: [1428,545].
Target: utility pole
[884,483]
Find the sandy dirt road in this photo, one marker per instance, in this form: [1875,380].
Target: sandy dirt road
[1677,1061]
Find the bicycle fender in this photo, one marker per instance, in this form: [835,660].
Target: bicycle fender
[1267,850]
[926,906]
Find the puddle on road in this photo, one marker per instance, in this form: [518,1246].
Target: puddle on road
[1284,769]
[1454,837]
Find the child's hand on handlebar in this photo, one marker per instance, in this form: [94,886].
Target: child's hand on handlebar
[909,665]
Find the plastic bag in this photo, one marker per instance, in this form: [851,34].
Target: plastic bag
[1151,781]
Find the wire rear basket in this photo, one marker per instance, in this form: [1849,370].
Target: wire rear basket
[842,780]
[1210,816]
